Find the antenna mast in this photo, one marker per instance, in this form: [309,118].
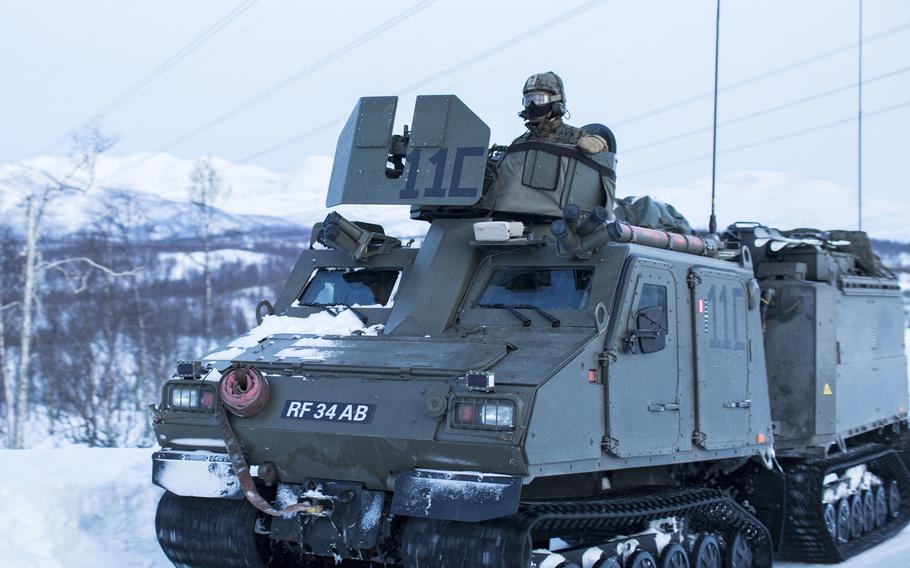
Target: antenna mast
[712,223]
[859,125]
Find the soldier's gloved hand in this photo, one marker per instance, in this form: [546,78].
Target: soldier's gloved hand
[592,144]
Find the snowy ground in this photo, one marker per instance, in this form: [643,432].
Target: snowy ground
[78,507]
[95,508]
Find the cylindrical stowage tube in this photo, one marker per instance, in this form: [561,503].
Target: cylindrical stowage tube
[564,235]
[620,232]
[595,219]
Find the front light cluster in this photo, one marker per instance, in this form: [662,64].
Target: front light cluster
[183,396]
[484,414]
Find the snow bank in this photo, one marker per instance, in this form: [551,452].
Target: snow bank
[78,507]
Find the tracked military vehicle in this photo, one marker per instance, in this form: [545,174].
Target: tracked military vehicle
[539,383]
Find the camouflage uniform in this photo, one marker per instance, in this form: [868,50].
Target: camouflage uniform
[554,131]
[545,104]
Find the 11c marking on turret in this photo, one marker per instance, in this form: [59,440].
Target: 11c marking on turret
[439,161]
[329,411]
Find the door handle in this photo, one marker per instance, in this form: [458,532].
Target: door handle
[663,407]
[739,404]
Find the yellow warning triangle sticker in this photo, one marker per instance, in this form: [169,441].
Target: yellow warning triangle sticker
[827,390]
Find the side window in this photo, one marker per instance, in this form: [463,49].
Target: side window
[650,333]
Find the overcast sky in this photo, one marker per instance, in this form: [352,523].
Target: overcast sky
[622,61]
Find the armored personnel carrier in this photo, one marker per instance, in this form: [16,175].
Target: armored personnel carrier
[539,383]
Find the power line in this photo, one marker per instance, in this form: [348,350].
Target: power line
[164,66]
[576,36]
[82,45]
[765,141]
[301,74]
[230,39]
[292,140]
[174,59]
[435,76]
[765,111]
[616,63]
[480,56]
[681,103]
[760,76]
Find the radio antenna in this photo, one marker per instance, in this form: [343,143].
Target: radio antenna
[712,222]
[859,125]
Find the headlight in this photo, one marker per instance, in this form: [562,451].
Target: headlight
[184,396]
[485,414]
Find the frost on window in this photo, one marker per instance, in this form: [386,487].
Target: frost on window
[363,287]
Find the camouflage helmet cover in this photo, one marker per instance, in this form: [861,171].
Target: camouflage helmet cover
[548,81]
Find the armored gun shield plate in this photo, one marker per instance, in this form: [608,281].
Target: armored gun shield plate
[444,163]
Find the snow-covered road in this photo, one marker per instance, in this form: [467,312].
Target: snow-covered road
[95,508]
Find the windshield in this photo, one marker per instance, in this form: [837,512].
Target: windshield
[366,287]
[546,288]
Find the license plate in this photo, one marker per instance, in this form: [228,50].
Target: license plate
[329,411]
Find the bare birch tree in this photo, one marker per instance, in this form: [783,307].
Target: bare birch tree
[206,189]
[42,187]
[122,220]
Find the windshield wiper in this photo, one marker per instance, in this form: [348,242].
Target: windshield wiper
[554,321]
[524,321]
[513,309]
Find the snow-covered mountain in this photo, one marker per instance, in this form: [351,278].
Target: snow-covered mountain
[777,199]
[157,217]
[255,197]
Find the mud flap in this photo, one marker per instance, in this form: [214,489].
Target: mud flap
[455,496]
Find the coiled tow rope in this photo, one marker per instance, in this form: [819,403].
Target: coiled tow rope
[244,392]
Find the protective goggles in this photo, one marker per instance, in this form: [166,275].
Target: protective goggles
[539,98]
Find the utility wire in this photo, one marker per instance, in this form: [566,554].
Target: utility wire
[765,111]
[770,140]
[616,63]
[436,76]
[575,37]
[763,75]
[506,44]
[292,140]
[82,45]
[218,47]
[300,74]
[163,67]
[760,76]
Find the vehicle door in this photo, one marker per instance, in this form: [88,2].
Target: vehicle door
[723,405]
[643,384]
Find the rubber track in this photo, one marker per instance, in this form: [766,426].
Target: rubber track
[805,537]
[208,533]
[505,543]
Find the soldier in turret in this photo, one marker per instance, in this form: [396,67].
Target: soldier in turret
[544,104]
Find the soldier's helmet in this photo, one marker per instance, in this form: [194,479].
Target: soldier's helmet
[543,94]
